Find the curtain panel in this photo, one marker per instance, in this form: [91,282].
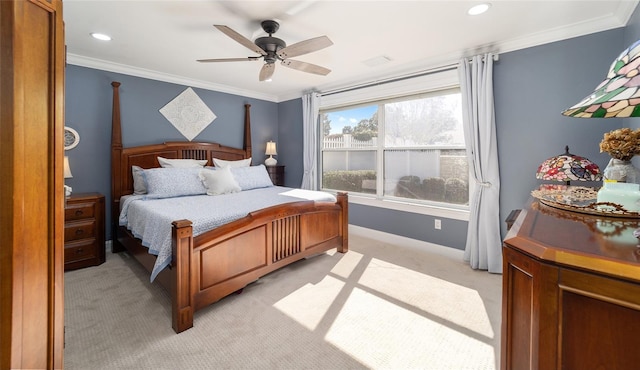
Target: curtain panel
[310,132]
[483,249]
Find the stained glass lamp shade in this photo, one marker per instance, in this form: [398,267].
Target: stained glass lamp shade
[619,94]
[566,167]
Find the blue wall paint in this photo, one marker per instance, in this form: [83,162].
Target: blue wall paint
[290,145]
[531,88]
[412,225]
[88,103]
[631,35]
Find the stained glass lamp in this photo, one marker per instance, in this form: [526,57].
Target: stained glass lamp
[566,167]
[619,94]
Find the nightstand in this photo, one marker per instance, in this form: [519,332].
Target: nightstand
[277,174]
[84,231]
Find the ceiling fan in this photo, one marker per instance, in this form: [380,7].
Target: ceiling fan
[273,49]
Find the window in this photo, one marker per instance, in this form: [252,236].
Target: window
[409,149]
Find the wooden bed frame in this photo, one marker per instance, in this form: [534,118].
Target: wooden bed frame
[208,267]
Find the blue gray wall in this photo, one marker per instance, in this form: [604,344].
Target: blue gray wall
[532,86]
[290,141]
[631,35]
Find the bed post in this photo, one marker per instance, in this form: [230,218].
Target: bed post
[247,130]
[116,153]
[343,201]
[181,292]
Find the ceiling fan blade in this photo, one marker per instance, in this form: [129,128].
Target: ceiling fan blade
[240,39]
[248,59]
[267,71]
[304,47]
[306,67]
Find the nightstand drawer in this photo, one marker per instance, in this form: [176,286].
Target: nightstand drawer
[80,251]
[84,231]
[79,230]
[79,211]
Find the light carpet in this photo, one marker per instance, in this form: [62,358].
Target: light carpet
[379,306]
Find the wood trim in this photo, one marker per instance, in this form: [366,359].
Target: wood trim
[32,216]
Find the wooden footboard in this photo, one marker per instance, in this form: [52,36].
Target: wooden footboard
[215,264]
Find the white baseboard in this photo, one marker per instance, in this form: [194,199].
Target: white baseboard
[108,245]
[406,242]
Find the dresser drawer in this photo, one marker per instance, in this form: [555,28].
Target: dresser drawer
[81,250]
[79,230]
[78,211]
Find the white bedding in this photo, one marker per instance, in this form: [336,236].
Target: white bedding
[150,219]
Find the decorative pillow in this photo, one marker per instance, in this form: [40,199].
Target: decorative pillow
[173,182]
[233,164]
[181,163]
[219,182]
[252,177]
[139,187]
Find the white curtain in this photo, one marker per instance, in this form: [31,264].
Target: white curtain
[484,245]
[310,109]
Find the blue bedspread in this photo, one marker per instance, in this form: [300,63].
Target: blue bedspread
[150,219]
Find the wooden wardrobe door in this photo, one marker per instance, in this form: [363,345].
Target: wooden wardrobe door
[31,184]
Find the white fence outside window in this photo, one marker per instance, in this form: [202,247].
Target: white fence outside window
[347,141]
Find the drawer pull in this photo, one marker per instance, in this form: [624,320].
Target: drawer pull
[79,212]
[79,232]
[79,250]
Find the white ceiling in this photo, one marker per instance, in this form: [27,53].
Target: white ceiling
[162,39]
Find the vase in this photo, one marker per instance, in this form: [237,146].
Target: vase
[619,170]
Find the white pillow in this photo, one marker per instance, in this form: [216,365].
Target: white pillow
[181,163]
[219,182]
[173,182]
[252,177]
[233,164]
[139,187]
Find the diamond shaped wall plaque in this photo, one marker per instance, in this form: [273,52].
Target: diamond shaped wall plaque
[188,114]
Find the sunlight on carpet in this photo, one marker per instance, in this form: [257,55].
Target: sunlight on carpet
[309,304]
[444,322]
[391,330]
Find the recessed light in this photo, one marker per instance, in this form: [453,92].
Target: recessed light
[101,36]
[479,9]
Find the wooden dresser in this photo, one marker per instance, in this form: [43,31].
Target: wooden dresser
[84,236]
[571,292]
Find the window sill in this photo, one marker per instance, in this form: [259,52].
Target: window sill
[424,209]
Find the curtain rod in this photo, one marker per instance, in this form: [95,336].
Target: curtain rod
[425,72]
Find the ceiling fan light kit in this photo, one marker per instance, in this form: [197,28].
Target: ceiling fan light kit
[273,49]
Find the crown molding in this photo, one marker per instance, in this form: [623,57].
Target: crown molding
[104,65]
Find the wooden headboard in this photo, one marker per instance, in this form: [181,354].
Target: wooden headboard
[145,156]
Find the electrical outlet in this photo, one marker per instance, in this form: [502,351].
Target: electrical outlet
[437,224]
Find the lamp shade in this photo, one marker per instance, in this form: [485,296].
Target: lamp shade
[567,167]
[619,94]
[67,169]
[271,148]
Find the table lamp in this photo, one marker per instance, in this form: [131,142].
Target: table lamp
[271,151]
[566,167]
